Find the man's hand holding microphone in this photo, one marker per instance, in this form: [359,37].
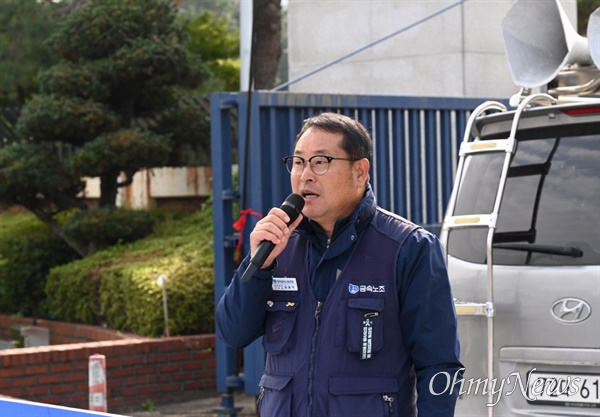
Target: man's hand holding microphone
[271,233]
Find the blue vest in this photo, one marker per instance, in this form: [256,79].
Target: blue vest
[346,356]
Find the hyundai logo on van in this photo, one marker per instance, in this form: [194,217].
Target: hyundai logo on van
[571,310]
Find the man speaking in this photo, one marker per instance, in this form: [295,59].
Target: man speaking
[353,301]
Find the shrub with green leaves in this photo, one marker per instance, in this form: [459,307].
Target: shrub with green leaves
[28,249]
[118,286]
[107,226]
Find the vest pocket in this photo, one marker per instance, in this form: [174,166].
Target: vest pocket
[275,397]
[280,321]
[363,396]
[364,326]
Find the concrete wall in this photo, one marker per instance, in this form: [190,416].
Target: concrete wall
[182,188]
[459,53]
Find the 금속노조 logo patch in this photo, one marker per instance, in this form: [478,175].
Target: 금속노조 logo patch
[354,289]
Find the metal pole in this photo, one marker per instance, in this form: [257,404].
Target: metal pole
[227,407]
[162,281]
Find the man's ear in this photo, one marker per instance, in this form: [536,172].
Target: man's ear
[362,170]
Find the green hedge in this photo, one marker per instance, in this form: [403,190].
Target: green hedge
[118,286]
[105,226]
[28,249]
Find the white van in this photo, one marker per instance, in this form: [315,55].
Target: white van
[522,236]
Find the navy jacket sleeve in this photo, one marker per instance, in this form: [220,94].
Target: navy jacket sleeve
[241,311]
[428,323]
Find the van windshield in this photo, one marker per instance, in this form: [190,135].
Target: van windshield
[550,212]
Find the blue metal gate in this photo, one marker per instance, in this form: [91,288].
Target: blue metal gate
[416,142]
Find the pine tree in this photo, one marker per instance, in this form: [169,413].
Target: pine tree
[109,108]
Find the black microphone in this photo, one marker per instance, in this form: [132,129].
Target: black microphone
[292,206]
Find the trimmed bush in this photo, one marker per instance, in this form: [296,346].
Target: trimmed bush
[118,286]
[28,250]
[106,226]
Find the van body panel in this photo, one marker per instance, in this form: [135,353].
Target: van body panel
[545,265]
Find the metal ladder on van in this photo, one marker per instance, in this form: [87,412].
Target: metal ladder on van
[473,148]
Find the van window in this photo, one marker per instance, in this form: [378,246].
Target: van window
[550,212]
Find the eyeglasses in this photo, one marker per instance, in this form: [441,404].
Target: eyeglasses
[318,163]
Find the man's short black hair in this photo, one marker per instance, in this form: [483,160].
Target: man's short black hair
[357,142]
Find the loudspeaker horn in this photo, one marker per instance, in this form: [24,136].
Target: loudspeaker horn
[593,34]
[539,41]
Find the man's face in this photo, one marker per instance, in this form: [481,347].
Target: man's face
[335,194]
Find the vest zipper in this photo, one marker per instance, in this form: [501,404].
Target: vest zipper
[318,311]
[260,396]
[311,360]
[390,402]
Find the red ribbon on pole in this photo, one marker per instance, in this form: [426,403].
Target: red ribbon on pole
[239,226]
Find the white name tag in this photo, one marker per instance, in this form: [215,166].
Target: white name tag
[285,284]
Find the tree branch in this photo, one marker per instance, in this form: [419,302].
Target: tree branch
[53,224]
